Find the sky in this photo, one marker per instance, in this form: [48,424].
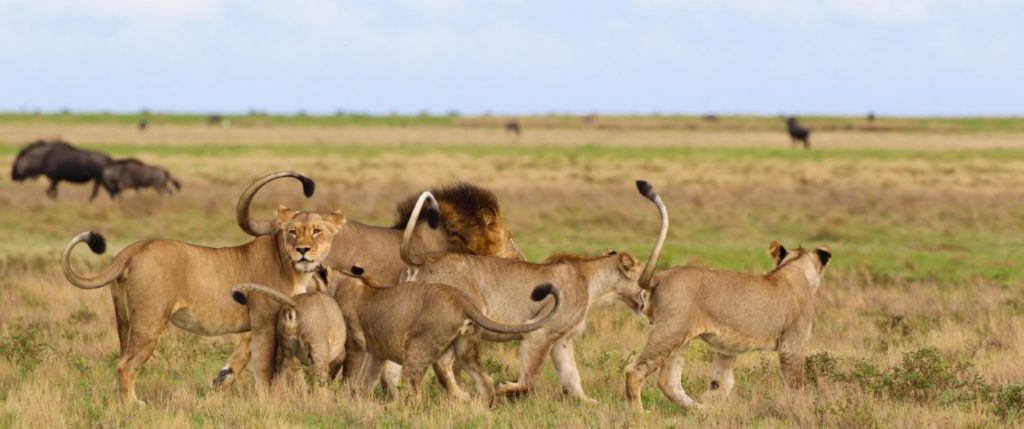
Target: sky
[898,57]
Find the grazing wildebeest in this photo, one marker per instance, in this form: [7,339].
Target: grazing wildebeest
[143,124]
[131,173]
[512,126]
[871,116]
[214,119]
[711,117]
[798,133]
[58,160]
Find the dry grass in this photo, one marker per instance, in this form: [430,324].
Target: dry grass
[926,242]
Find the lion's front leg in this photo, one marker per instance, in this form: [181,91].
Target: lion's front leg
[236,363]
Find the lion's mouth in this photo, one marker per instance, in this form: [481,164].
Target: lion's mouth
[306,266]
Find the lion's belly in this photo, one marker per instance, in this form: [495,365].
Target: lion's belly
[211,323]
[730,343]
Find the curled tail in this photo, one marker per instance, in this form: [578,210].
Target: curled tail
[177,185]
[98,245]
[261,227]
[648,192]
[433,219]
[539,293]
[241,292]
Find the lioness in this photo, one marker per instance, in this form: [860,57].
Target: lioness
[471,222]
[415,323]
[502,283]
[732,312]
[154,282]
[310,330]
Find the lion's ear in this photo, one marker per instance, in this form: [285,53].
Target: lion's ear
[824,255]
[285,214]
[777,252]
[336,219]
[627,264]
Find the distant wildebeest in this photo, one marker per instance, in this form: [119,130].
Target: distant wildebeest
[143,124]
[798,133]
[711,117]
[512,126]
[214,119]
[871,116]
[131,173]
[589,119]
[58,160]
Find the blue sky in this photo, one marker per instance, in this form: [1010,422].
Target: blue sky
[905,57]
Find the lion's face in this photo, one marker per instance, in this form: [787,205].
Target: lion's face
[627,288]
[306,237]
[490,237]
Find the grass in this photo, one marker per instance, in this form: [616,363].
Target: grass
[920,319]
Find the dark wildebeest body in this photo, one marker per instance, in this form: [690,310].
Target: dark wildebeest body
[131,173]
[512,126]
[798,133]
[59,161]
[143,124]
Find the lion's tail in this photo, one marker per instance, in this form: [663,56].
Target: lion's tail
[98,245]
[539,293]
[241,291]
[433,219]
[648,192]
[259,227]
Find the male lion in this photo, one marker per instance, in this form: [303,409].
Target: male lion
[310,330]
[470,222]
[502,283]
[415,323]
[154,282]
[732,312]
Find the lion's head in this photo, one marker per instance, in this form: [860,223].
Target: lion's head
[473,220]
[305,238]
[622,273]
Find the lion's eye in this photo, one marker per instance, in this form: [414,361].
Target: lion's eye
[316,231]
[293,233]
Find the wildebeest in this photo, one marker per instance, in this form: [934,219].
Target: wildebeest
[214,119]
[143,124]
[871,116]
[798,133]
[131,173]
[59,161]
[512,126]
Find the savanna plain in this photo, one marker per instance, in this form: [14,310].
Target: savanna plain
[920,318]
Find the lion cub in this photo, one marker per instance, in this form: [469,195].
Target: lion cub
[310,330]
[732,312]
[414,323]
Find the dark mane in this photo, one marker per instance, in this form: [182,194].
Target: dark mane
[462,198]
[797,253]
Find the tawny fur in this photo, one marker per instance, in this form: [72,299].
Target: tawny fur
[732,312]
[503,283]
[154,282]
[310,330]
[471,222]
[415,323]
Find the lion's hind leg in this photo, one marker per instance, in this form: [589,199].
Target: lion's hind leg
[670,378]
[467,351]
[660,344]
[146,328]
[121,313]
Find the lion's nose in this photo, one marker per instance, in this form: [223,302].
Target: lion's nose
[302,250]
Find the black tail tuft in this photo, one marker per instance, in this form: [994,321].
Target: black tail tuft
[357,270]
[308,186]
[240,297]
[322,273]
[96,242]
[542,291]
[433,217]
[646,189]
